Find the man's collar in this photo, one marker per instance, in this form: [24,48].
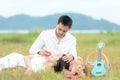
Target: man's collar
[64,38]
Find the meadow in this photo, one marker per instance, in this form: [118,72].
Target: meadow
[86,44]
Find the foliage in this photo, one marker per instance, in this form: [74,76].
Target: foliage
[86,44]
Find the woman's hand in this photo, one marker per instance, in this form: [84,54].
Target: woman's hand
[73,75]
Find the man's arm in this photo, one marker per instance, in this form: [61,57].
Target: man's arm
[38,44]
[73,49]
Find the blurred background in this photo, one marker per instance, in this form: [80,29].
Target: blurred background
[89,16]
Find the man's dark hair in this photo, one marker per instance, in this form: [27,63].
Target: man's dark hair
[65,20]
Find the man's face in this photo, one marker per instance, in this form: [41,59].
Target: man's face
[61,30]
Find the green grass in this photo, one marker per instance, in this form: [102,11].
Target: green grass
[86,44]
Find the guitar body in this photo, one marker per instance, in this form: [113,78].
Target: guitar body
[99,68]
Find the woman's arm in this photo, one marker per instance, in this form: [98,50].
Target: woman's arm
[27,60]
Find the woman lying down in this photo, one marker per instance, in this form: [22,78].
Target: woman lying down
[37,62]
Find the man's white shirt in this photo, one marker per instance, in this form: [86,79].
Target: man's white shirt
[47,40]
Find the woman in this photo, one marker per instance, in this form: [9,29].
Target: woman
[72,69]
[37,62]
[31,62]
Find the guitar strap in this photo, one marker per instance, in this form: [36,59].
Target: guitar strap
[108,63]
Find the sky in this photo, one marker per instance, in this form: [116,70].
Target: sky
[98,9]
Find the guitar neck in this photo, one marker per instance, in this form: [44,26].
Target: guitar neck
[99,54]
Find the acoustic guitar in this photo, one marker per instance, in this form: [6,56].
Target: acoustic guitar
[99,68]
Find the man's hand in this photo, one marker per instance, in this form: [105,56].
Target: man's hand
[44,52]
[67,58]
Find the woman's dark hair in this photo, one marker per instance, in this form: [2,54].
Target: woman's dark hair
[60,65]
[65,20]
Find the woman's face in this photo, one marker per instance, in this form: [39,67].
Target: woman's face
[77,66]
[61,30]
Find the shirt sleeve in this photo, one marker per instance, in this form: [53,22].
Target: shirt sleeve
[73,49]
[38,44]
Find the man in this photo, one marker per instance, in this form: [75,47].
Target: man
[56,41]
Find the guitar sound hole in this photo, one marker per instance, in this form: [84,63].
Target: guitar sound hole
[98,65]
[98,72]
